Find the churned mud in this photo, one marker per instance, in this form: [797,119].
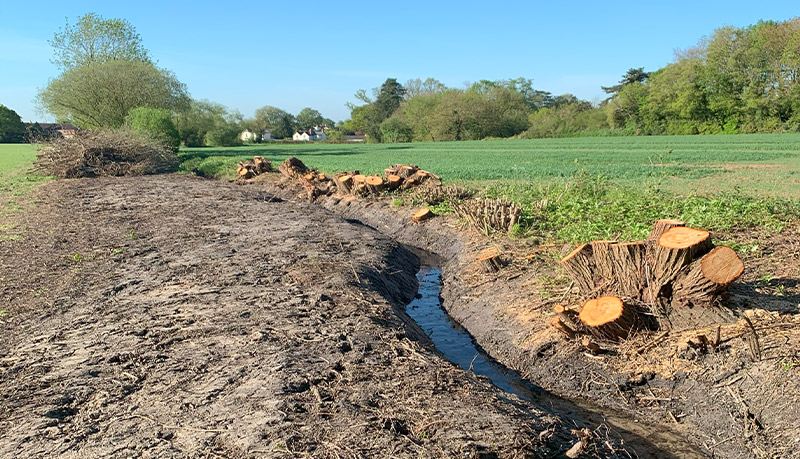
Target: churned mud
[740,398]
[178,316]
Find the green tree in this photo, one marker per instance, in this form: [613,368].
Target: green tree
[102,94]
[12,130]
[308,118]
[280,123]
[394,130]
[94,39]
[156,123]
[202,117]
[631,76]
[416,87]
[386,102]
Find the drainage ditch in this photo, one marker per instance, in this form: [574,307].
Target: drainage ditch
[456,344]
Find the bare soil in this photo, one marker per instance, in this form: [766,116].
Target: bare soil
[182,317]
[740,399]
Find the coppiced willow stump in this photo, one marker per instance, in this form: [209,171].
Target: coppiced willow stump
[490,259]
[579,265]
[374,184]
[675,250]
[422,215]
[707,277]
[608,317]
[675,278]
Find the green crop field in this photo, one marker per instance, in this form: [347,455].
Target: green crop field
[612,187]
[765,164]
[16,180]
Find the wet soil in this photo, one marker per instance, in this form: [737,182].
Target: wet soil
[183,317]
[740,399]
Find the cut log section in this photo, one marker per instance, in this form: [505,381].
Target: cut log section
[374,184]
[608,317]
[707,277]
[253,167]
[422,215]
[490,259]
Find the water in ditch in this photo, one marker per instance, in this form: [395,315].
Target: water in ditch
[458,346]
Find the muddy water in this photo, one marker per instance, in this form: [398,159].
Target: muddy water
[452,340]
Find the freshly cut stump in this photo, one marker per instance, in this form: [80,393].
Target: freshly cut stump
[344,183]
[707,277]
[579,265]
[394,181]
[490,259]
[676,249]
[608,317]
[660,227]
[603,264]
[628,260]
[559,325]
[374,184]
[421,215]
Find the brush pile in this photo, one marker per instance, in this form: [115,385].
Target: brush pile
[105,153]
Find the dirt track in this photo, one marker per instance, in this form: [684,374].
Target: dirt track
[177,316]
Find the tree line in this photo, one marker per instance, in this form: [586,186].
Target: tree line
[737,80]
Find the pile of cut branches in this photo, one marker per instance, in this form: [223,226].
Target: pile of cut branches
[105,153]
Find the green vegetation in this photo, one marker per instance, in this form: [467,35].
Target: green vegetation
[17,179]
[156,123]
[584,188]
[12,130]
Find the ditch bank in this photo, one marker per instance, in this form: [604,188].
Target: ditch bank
[727,403]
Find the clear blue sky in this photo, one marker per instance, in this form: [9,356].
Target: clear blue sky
[293,55]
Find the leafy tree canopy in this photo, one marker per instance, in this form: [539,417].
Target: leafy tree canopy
[11,127]
[102,94]
[94,39]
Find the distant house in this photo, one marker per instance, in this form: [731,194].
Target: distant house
[310,135]
[247,136]
[358,137]
[266,135]
[355,138]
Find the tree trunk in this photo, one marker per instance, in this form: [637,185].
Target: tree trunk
[579,265]
[374,184]
[393,181]
[676,249]
[344,182]
[628,260]
[660,227]
[706,278]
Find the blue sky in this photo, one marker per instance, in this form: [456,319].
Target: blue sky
[249,54]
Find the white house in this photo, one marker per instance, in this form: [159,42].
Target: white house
[266,135]
[247,136]
[310,135]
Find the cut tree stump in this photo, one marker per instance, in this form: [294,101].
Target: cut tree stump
[660,227]
[628,268]
[559,325]
[374,184]
[579,265]
[344,182]
[393,181]
[675,279]
[490,259]
[421,215]
[707,277]
[609,318]
[676,249]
